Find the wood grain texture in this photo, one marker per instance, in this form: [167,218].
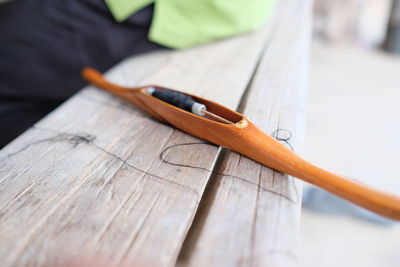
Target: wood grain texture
[239,134]
[250,216]
[88,179]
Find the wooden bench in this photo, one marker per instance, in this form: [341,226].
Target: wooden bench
[99,178]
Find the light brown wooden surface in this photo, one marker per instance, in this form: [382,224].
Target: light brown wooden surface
[251,215]
[88,179]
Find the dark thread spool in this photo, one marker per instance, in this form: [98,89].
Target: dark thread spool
[174,98]
[185,102]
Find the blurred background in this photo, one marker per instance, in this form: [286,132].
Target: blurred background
[353,128]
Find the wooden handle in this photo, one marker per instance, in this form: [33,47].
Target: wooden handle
[95,77]
[374,200]
[129,94]
[268,151]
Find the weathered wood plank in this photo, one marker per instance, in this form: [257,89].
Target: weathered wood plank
[251,214]
[88,179]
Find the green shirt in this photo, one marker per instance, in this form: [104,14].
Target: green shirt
[185,23]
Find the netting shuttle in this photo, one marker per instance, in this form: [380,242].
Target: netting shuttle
[222,126]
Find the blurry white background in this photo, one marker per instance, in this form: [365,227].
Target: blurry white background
[353,128]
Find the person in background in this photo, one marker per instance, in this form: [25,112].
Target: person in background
[44,44]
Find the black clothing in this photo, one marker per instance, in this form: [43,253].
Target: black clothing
[44,44]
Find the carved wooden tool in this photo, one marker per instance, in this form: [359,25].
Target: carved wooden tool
[228,128]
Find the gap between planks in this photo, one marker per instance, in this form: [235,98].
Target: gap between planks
[273,245]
